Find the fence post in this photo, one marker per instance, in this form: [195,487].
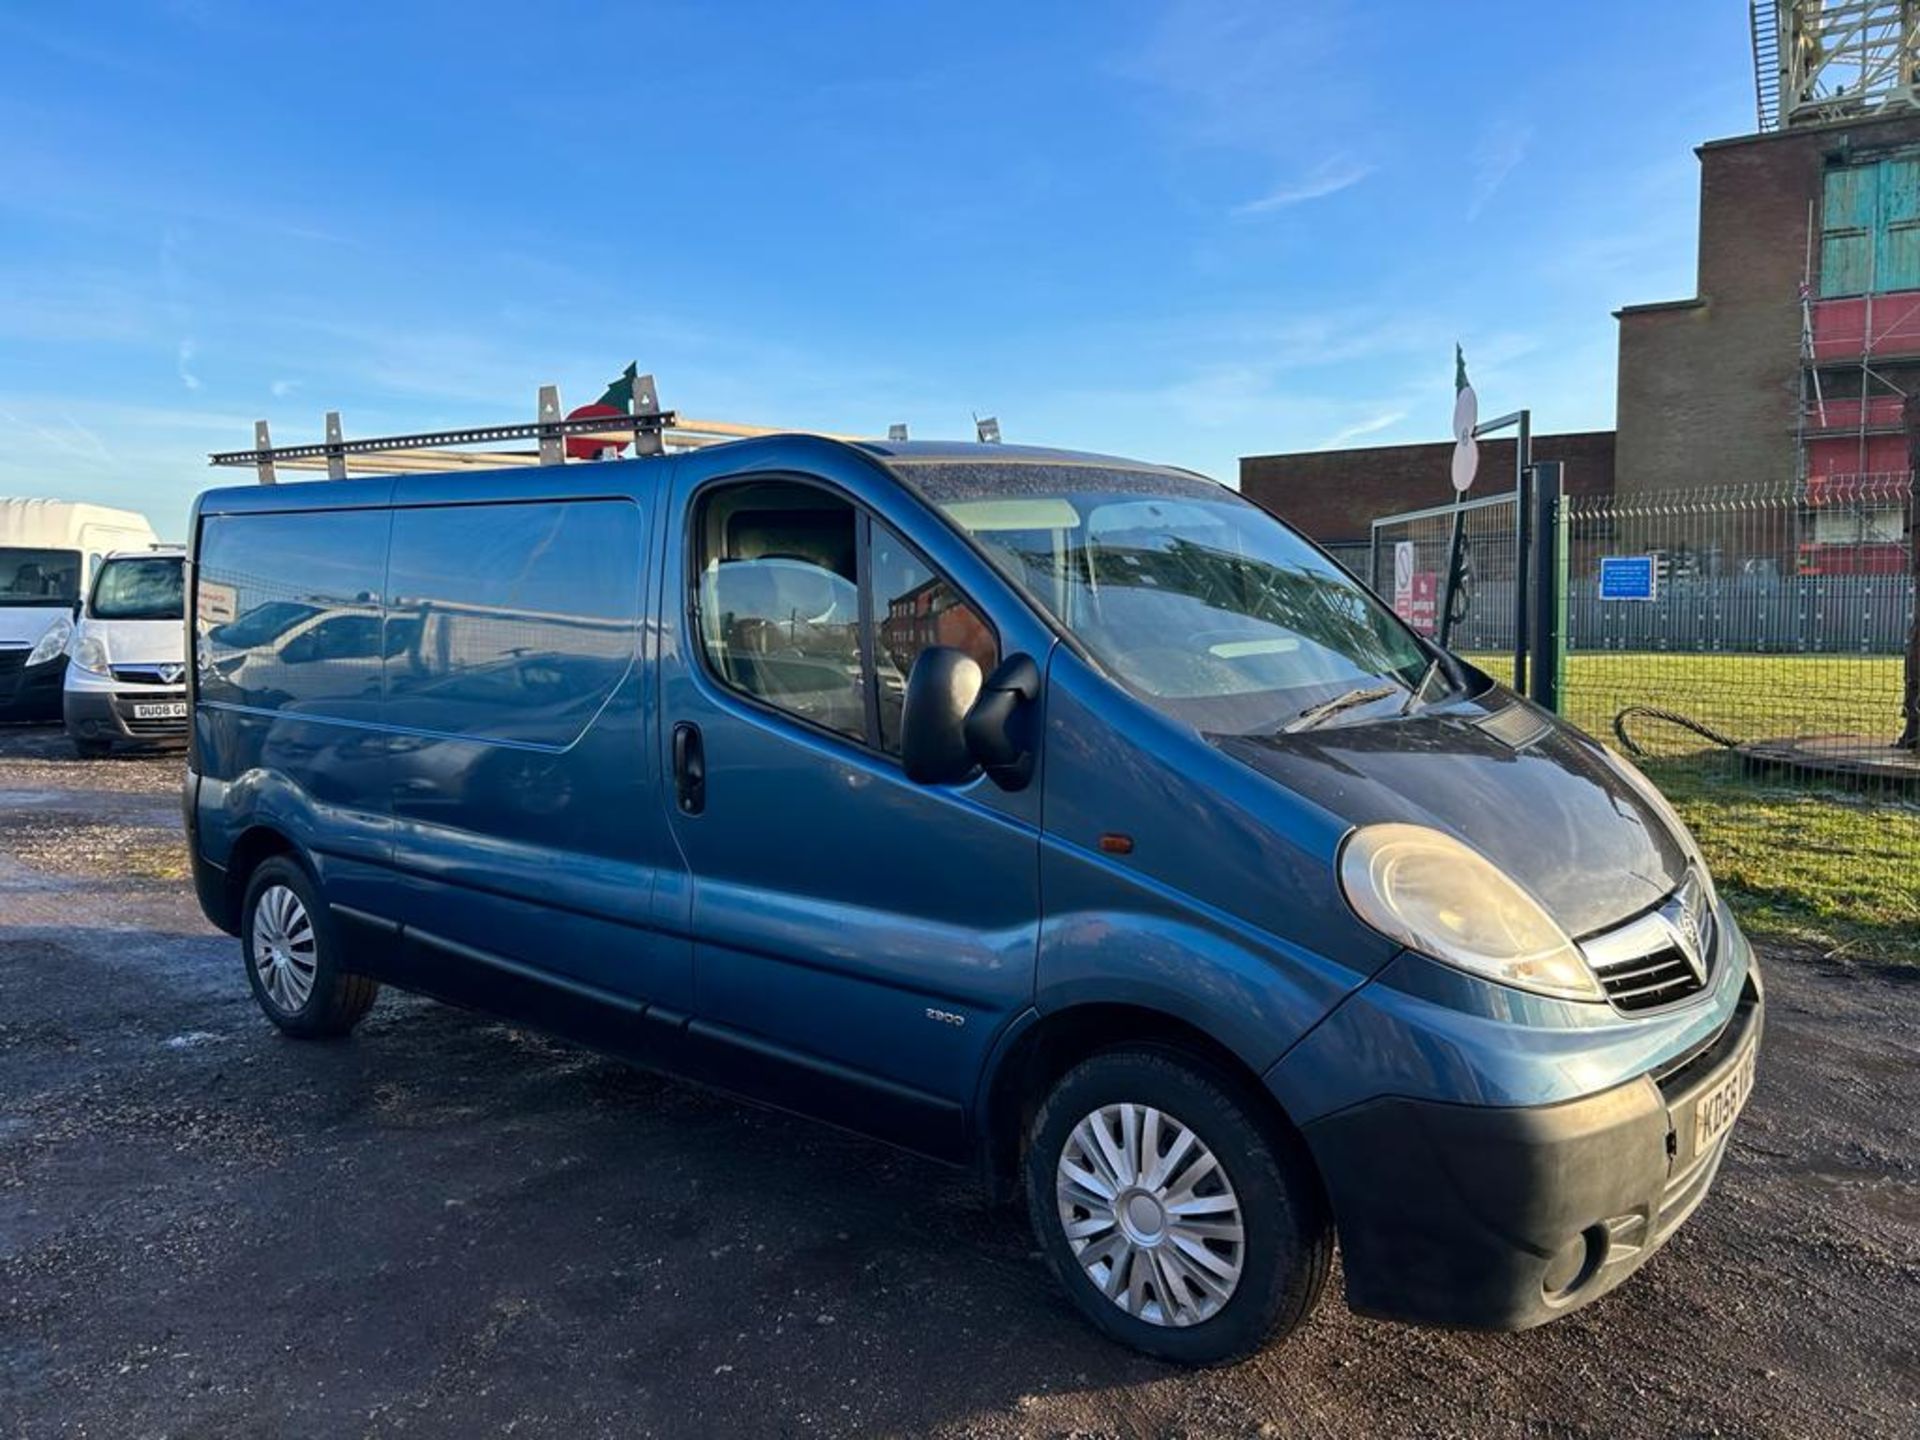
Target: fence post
[1548,565]
[1522,569]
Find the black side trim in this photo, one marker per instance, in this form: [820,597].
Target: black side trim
[831,1069]
[822,1089]
[363,917]
[579,989]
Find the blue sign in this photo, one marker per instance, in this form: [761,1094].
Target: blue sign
[1628,577]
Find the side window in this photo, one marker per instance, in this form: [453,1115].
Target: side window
[779,600]
[913,608]
[512,621]
[779,613]
[268,581]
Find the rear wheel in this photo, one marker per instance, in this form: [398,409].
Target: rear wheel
[293,961]
[1177,1221]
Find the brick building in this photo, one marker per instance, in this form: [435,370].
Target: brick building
[1335,495]
[1791,360]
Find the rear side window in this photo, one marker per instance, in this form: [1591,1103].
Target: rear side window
[144,588]
[276,596]
[511,622]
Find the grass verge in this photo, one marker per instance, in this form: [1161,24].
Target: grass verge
[1819,863]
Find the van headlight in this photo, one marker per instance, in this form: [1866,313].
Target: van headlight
[52,643]
[1444,899]
[90,653]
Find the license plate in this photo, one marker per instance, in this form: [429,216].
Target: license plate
[1715,1111]
[166,710]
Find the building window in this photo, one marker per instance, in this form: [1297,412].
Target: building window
[1870,227]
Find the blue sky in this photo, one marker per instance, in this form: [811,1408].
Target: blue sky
[1181,231]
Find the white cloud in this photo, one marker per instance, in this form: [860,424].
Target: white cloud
[1330,177]
[280,389]
[185,365]
[1241,74]
[1502,147]
[1372,425]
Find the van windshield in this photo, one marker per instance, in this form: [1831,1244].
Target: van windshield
[39,577]
[139,588]
[1199,602]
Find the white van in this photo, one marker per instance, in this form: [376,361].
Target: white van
[127,661]
[49,551]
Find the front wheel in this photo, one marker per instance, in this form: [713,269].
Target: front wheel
[1179,1223]
[293,960]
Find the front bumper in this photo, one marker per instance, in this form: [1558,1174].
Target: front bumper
[1505,1217]
[30,692]
[102,712]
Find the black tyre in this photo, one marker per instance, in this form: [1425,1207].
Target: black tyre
[1179,1221]
[292,958]
[91,749]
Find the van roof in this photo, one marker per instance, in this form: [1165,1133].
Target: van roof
[531,481]
[55,524]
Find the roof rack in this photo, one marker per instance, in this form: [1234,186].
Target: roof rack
[651,430]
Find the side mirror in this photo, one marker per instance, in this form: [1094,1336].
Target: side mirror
[999,728]
[941,690]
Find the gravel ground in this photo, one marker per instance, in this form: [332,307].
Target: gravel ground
[447,1226]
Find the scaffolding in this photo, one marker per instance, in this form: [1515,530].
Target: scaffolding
[1818,60]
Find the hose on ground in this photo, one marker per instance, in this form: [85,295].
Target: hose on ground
[1667,717]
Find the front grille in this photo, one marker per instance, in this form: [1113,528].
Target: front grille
[149,674]
[12,660]
[154,727]
[1661,957]
[1647,982]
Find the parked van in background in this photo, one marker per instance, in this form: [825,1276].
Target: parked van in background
[1058,813]
[49,550]
[126,673]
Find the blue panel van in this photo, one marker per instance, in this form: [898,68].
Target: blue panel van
[1061,815]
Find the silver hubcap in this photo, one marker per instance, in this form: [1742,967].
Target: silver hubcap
[1150,1215]
[284,951]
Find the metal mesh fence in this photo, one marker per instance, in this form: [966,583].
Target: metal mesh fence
[1748,646]
[1408,569]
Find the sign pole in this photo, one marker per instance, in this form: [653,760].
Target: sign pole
[1466,460]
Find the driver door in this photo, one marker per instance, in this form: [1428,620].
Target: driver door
[859,938]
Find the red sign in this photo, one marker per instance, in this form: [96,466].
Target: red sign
[591,447]
[1418,602]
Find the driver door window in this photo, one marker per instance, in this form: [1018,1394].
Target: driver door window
[779,601]
[782,569]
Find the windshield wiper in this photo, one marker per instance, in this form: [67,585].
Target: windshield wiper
[1418,695]
[1326,709]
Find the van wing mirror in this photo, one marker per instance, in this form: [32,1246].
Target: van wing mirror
[941,690]
[1000,726]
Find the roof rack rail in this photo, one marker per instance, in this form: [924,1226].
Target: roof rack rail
[646,425]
